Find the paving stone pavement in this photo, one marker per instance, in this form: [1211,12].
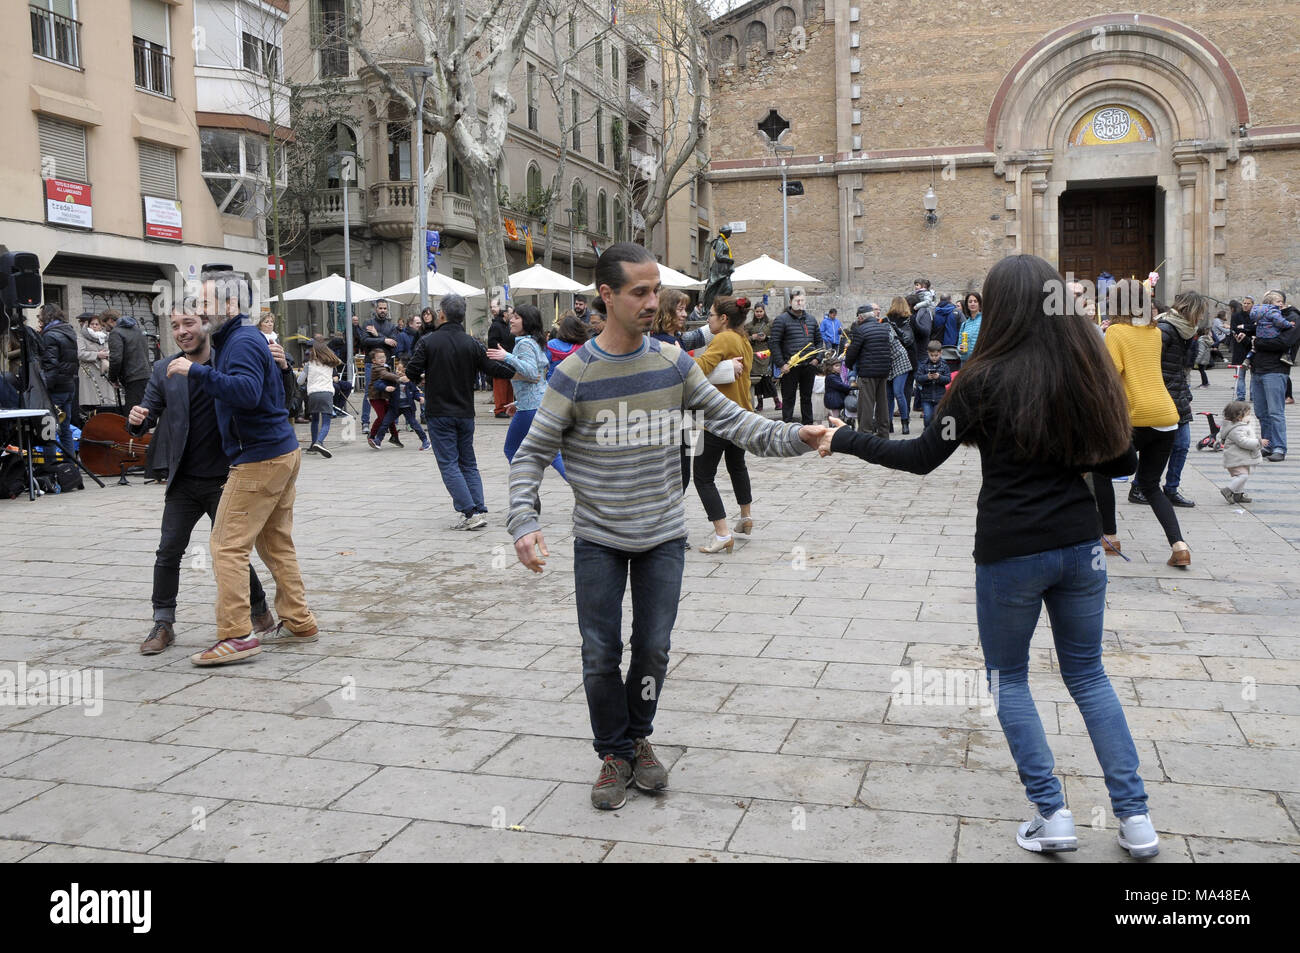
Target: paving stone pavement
[441,715]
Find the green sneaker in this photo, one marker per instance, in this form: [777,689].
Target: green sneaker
[609,793]
[648,773]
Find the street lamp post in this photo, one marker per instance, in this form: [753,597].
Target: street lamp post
[419,76]
[785,228]
[347,169]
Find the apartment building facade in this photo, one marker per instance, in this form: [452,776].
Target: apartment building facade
[102,178]
[612,151]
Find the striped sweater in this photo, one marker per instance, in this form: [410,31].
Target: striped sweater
[617,420]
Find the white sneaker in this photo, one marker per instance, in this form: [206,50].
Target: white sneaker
[1137,835]
[1048,834]
[477,521]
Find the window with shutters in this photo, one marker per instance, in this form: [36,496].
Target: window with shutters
[600,135]
[613,65]
[532,97]
[578,196]
[602,213]
[573,119]
[56,34]
[63,149]
[151,40]
[158,171]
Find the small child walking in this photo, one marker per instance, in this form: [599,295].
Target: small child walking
[319,372]
[383,388]
[1241,449]
[405,400]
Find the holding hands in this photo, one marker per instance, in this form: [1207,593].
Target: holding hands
[828,434]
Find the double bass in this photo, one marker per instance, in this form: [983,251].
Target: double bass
[107,449]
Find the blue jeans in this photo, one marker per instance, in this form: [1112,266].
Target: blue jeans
[320,428]
[365,404]
[1009,594]
[1241,383]
[622,711]
[1268,393]
[63,400]
[518,430]
[1178,457]
[927,411]
[896,396]
[453,445]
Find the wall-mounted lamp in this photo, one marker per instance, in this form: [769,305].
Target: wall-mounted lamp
[931,202]
[1241,130]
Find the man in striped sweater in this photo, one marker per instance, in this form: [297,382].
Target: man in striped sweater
[615,409]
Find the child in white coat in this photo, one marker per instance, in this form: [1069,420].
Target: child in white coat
[1241,449]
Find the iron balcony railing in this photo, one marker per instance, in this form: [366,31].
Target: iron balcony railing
[153,68]
[56,37]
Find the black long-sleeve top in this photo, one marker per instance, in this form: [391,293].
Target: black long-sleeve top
[1024,507]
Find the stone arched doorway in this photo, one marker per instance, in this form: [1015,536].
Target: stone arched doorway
[1125,125]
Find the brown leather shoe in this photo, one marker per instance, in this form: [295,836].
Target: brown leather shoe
[1182,558]
[160,636]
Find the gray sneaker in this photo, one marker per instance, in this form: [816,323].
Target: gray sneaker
[609,793]
[477,521]
[647,771]
[1138,836]
[1228,495]
[1048,834]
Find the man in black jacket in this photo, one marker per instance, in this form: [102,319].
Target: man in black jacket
[793,331]
[869,354]
[128,355]
[499,336]
[188,447]
[59,364]
[448,361]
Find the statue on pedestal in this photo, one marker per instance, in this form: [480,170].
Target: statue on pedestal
[719,282]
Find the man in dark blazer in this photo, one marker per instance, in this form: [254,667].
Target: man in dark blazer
[189,450]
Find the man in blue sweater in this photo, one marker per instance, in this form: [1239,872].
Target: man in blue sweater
[256,506]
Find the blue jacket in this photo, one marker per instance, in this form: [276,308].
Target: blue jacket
[248,393]
[836,391]
[947,324]
[971,328]
[831,330]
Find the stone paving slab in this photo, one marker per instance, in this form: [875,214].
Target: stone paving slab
[442,716]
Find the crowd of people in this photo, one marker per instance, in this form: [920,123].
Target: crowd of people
[1057,404]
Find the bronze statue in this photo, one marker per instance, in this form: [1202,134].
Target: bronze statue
[719,282]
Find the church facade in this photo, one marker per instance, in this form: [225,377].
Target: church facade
[932,139]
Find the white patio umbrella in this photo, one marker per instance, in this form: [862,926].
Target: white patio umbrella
[765,272]
[329,288]
[439,285]
[540,280]
[668,278]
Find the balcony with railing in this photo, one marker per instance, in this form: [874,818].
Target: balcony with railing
[153,68]
[640,99]
[643,162]
[56,37]
[327,208]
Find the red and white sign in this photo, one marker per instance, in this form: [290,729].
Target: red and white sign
[274,267]
[67,203]
[162,218]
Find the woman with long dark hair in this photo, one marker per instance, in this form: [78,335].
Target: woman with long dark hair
[1135,344]
[571,334]
[529,361]
[1043,405]
[760,375]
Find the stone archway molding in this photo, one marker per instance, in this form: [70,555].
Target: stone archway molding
[1084,38]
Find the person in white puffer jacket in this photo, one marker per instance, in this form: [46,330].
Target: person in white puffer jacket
[1241,448]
